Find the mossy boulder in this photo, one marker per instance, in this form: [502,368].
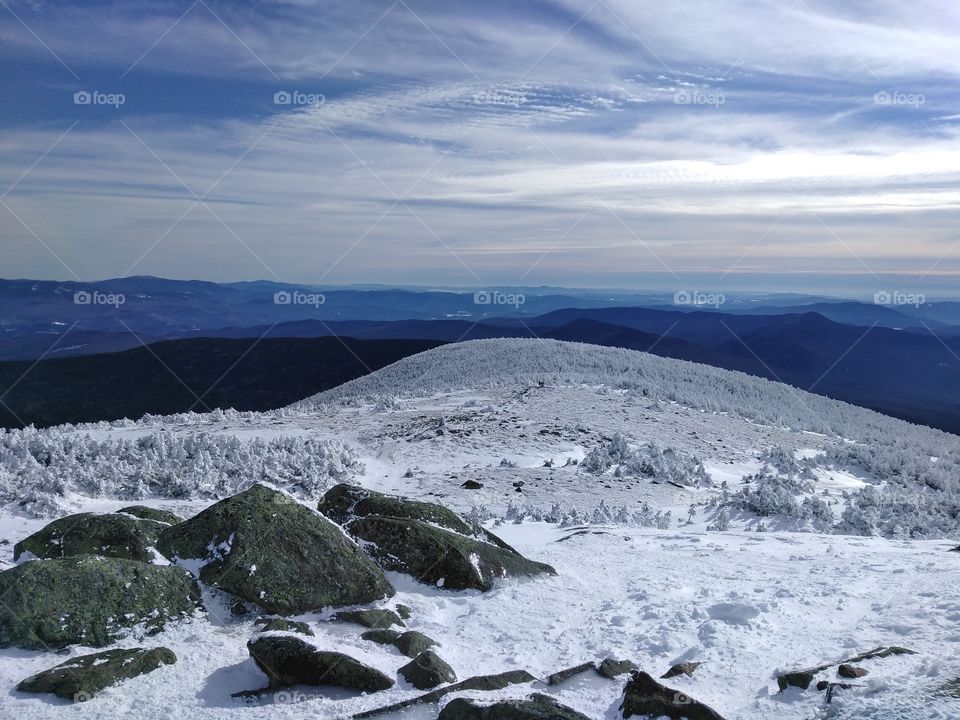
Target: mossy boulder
[427,670]
[645,697]
[537,707]
[89,600]
[110,535]
[343,503]
[266,548]
[148,513]
[80,678]
[411,643]
[370,618]
[288,660]
[283,625]
[439,557]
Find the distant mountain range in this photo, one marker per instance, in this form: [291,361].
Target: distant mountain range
[903,361]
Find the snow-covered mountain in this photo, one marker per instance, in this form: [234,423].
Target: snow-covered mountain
[729,520]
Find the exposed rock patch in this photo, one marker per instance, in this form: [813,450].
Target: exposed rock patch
[536,707]
[112,535]
[288,660]
[272,551]
[427,670]
[644,696]
[80,678]
[89,600]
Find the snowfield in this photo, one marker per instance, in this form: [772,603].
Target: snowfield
[691,513]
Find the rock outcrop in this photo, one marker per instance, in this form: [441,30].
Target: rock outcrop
[269,550]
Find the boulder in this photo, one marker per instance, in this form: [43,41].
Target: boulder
[485,683]
[404,611]
[536,707]
[427,670]
[437,556]
[288,660]
[148,513]
[851,671]
[283,625]
[472,485]
[89,600]
[269,550]
[803,678]
[685,668]
[644,696]
[410,643]
[80,678]
[111,535]
[370,618]
[611,668]
[343,503]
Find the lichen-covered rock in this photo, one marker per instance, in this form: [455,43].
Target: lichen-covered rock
[89,600]
[427,670]
[343,503]
[611,668]
[537,707]
[283,625]
[646,697]
[110,535]
[685,668]
[404,611]
[266,548]
[411,643]
[82,677]
[148,513]
[288,660]
[437,556]
[370,618]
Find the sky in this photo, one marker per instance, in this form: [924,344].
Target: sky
[804,145]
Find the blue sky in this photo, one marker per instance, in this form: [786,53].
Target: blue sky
[774,145]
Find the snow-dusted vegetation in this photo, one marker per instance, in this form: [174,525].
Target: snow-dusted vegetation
[39,466]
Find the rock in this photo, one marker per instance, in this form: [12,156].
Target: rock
[472,485]
[411,643]
[561,676]
[611,669]
[687,668]
[479,682]
[283,625]
[537,707]
[803,678]
[405,611]
[89,600]
[119,536]
[382,637]
[370,618]
[343,503]
[851,671]
[646,697]
[427,670]
[80,678]
[148,513]
[269,550]
[439,557]
[288,660]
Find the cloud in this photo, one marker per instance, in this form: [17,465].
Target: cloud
[457,142]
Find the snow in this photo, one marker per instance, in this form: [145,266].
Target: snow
[640,576]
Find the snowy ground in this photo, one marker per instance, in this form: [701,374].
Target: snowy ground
[745,603]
